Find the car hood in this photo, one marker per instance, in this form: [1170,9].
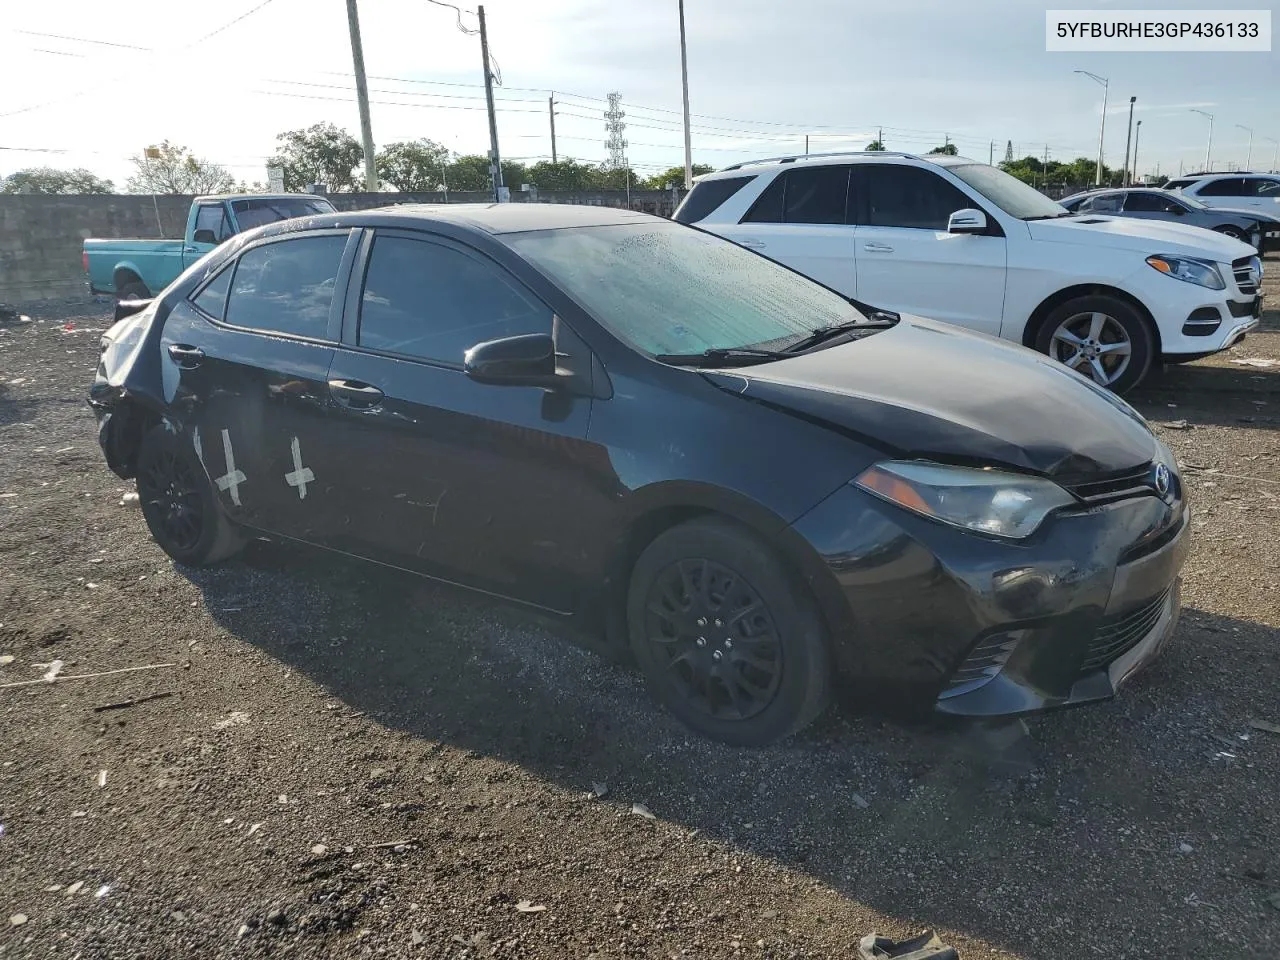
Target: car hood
[1140,236]
[1254,213]
[924,389]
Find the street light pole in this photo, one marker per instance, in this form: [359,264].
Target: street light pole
[1275,155]
[1124,177]
[1137,134]
[362,95]
[1097,180]
[1248,160]
[1208,150]
[684,81]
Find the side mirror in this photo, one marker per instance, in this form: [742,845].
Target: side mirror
[528,360]
[967,221]
[127,308]
[205,236]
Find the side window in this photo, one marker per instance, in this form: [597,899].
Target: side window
[287,286]
[213,217]
[1147,203]
[899,196]
[768,206]
[1226,187]
[1265,188]
[434,302]
[817,195]
[1178,184]
[213,298]
[707,197]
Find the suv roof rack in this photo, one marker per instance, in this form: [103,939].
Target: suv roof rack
[793,157]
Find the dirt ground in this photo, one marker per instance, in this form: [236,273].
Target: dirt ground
[344,762]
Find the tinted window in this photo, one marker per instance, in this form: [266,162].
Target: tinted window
[666,289]
[1179,184]
[911,197]
[1150,203]
[1228,187]
[213,298]
[1102,203]
[434,302]
[768,207]
[817,195]
[213,217]
[707,196]
[287,287]
[259,210]
[1266,188]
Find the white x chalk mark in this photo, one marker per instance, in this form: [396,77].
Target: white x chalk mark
[300,476]
[232,479]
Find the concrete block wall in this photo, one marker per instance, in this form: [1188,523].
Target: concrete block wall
[41,236]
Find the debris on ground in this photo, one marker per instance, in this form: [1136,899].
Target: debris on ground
[319,849]
[599,790]
[102,779]
[1262,362]
[528,906]
[859,802]
[1185,848]
[640,810]
[133,702]
[1177,425]
[129,499]
[18,919]
[927,946]
[1265,726]
[236,718]
[55,668]
[6,659]
[75,888]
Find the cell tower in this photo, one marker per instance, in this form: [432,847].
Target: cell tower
[616,145]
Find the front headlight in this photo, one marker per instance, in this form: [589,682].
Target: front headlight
[1204,273]
[984,500]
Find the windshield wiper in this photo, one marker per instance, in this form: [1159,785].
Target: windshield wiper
[1052,216]
[721,357]
[877,321]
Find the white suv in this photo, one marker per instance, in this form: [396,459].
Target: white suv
[1234,191]
[960,241]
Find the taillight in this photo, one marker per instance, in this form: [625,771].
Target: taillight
[84,259]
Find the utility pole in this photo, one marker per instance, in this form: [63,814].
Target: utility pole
[1102,130]
[495,159]
[1137,134]
[1275,154]
[1124,178]
[684,81]
[1248,160]
[991,155]
[806,144]
[1208,150]
[551,108]
[1045,165]
[362,95]
[880,136]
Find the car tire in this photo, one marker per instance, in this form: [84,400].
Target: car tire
[133,290]
[179,503]
[1234,232]
[725,638]
[1120,321]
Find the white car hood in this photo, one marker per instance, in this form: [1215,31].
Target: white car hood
[1140,236]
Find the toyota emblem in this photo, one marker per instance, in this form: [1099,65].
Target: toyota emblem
[1163,479]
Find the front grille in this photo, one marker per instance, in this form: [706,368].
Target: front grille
[1119,634]
[1242,269]
[1137,482]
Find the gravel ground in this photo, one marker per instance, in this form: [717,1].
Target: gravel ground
[345,762]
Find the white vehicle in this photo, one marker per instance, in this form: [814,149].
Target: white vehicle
[960,241]
[1234,191]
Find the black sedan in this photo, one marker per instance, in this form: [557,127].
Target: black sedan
[1254,227]
[762,488]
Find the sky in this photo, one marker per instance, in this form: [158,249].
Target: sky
[90,84]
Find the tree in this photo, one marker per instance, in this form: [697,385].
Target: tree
[675,177]
[471,172]
[178,170]
[414,166]
[49,180]
[949,149]
[875,146]
[322,153]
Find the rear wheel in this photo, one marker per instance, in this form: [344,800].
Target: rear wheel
[131,288]
[179,503]
[725,639]
[1102,337]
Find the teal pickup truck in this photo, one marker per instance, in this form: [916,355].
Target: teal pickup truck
[138,269]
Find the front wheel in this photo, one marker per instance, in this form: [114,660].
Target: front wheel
[726,640]
[1235,233]
[179,503]
[1102,337]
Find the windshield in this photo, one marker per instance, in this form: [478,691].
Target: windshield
[259,210]
[1189,201]
[1008,193]
[669,289]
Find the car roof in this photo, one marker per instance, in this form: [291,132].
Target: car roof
[495,218]
[824,159]
[258,196]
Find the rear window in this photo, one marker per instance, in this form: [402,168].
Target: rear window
[1179,184]
[256,211]
[707,196]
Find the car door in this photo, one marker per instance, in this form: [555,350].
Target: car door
[907,260]
[212,226]
[245,362]
[1226,192]
[801,220]
[475,483]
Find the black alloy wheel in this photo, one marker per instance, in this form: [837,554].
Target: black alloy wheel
[715,636]
[728,638]
[171,501]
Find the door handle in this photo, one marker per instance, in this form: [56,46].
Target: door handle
[874,247]
[752,244]
[185,356]
[189,249]
[356,394]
